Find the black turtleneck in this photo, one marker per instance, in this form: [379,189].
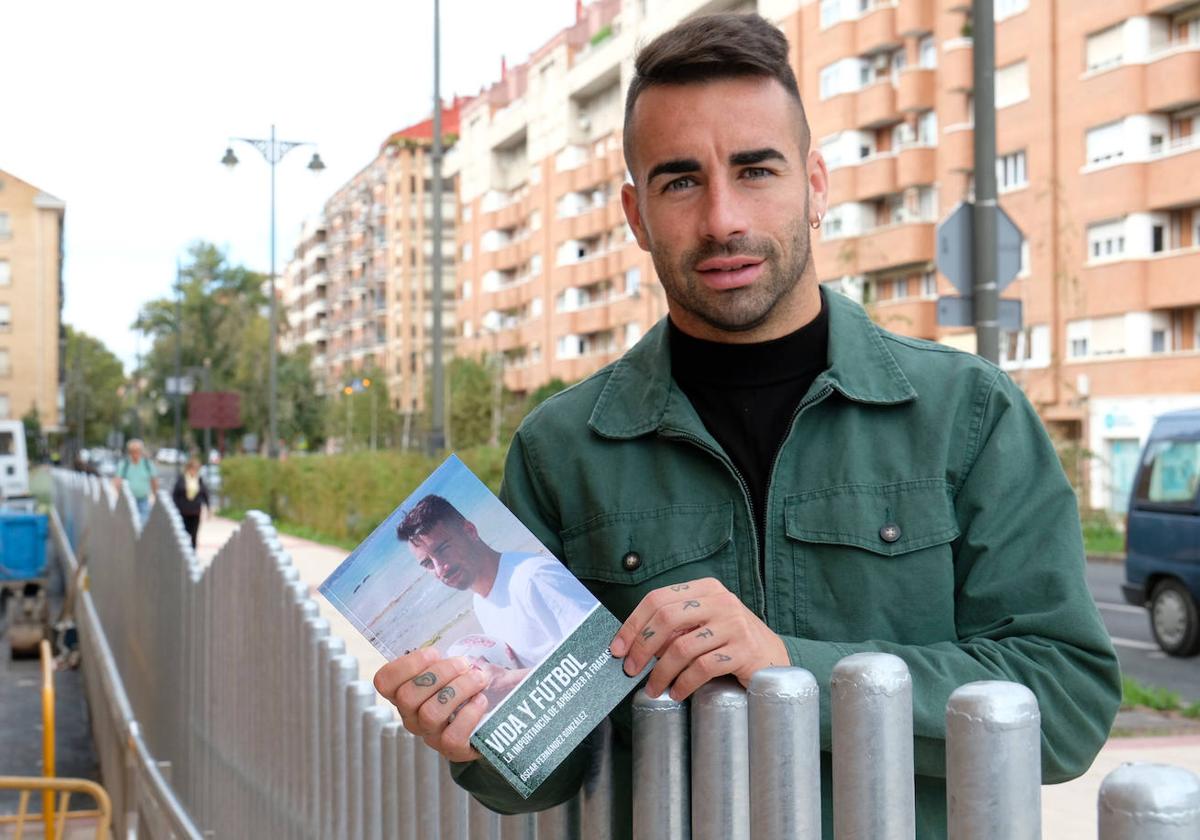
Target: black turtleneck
[747,394]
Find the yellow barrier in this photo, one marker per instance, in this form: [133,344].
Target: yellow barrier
[102,814]
[48,735]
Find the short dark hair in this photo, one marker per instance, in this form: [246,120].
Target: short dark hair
[425,514]
[722,46]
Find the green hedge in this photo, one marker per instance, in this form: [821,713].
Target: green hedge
[341,497]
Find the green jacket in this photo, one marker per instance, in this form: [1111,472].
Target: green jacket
[986,580]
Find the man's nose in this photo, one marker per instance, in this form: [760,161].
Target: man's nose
[724,212]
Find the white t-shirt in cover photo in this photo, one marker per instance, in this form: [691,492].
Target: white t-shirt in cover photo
[534,604]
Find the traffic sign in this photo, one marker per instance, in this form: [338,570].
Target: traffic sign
[956,312]
[955,248]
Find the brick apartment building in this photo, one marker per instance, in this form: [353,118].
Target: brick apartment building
[31,259]
[1098,110]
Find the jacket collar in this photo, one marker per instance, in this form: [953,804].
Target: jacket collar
[640,396]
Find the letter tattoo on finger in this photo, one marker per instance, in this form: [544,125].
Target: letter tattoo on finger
[690,604]
[445,695]
[720,657]
[425,680]
[453,715]
[705,633]
[679,587]
[647,633]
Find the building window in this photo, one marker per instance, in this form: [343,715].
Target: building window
[5,317]
[5,273]
[927,128]
[844,76]
[1106,48]
[1007,8]
[1106,142]
[5,227]
[1079,347]
[632,333]
[1106,240]
[1158,341]
[927,52]
[1012,84]
[1010,171]
[929,284]
[5,363]
[5,408]
[633,281]
[831,13]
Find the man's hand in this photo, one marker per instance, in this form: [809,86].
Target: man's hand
[439,700]
[698,630]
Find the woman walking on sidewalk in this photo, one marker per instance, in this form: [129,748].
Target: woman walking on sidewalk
[191,497]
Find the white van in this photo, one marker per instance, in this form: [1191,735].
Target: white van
[14,463]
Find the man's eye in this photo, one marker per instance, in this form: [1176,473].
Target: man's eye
[680,183]
[757,172]
[426,563]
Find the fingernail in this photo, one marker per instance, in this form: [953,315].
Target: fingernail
[480,700]
[652,692]
[618,647]
[431,654]
[629,665]
[461,663]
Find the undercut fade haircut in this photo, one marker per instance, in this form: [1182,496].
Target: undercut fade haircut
[701,49]
[425,514]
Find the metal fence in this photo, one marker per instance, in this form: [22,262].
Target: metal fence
[225,707]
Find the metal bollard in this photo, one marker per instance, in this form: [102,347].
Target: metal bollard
[518,827]
[452,805]
[596,805]
[993,762]
[560,822]
[343,670]
[720,762]
[1150,802]
[360,696]
[482,822]
[871,705]
[785,755]
[374,778]
[427,764]
[662,803]
[399,799]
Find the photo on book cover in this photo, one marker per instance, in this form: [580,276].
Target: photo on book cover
[451,567]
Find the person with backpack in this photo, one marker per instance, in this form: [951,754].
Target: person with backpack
[136,469]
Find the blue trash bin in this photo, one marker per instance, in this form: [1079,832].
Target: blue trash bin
[22,545]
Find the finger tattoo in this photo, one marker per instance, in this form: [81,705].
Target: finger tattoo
[647,633]
[704,634]
[425,680]
[453,715]
[722,657]
[689,604]
[445,695]
[679,587]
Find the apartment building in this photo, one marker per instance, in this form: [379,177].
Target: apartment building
[359,289]
[31,258]
[1098,146]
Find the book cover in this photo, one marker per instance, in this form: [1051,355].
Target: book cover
[453,568]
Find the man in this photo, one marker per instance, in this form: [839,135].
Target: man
[528,601]
[769,478]
[137,470]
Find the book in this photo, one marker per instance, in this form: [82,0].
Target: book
[453,568]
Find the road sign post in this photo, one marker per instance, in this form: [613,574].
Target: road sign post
[955,259]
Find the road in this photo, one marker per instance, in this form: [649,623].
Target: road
[1129,627]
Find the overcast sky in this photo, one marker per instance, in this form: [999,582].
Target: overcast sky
[123,110]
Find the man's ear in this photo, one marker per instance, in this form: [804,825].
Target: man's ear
[470,530]
[634,216]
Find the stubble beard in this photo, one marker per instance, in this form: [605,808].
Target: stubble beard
[742,309]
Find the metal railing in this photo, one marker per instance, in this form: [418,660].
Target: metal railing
[225,707]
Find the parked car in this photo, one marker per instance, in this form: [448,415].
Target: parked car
[1162,557]
[168,455]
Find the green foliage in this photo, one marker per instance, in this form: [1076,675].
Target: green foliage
[93,389]
[602,34]
[1101,535]
[224,337]
[35,441]
[339,498]
[364,413]
[469,408]
[1134,693]
[545,392]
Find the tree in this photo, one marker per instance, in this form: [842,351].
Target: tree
[35,442]
[364,412]
[93,390]
[224,330]
[544,392]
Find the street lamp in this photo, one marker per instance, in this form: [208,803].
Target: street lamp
[363,384]
[272,151]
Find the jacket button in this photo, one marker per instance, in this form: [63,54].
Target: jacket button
[890,532]
[632,561]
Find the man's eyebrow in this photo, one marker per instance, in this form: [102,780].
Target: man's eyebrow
[679,166]
[756,156]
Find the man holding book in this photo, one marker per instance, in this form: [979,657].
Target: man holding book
[769,478]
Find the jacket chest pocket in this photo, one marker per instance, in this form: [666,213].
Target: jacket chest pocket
[875,561]
[623,555]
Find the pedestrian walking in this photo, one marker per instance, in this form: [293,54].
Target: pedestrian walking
[191,497]
[136,469]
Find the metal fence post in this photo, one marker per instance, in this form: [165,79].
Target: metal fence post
[1150,802]
[873,791]
[720,762]
[596,803]
[785,755]
[993,762]
[427,764]
[662,794]
[452,805]
[560,822]
[373,775]
[399,802]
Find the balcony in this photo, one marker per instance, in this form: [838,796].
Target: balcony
[957,68]
[876,177]
[914,17]
[835,114]
[917,90]
[1173,81]
[893,246]
[876,31]
[876,106]
[1173,279]
[1171,179]
[843,184]
[1113,288]
[916,166]
[914,317]
[836,42]
[1115,190]
[1111,93]
[958,148]
[589,319]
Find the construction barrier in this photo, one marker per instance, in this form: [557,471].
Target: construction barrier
[223,706]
